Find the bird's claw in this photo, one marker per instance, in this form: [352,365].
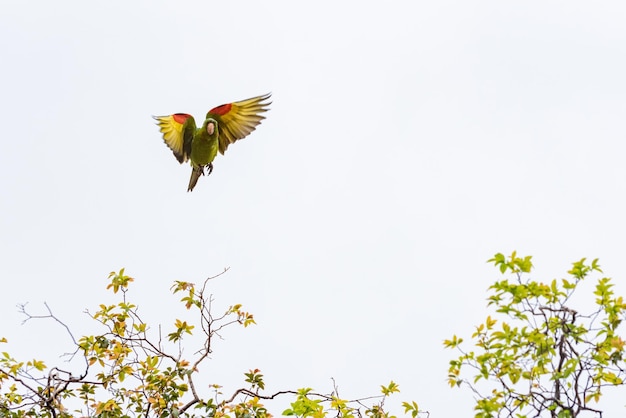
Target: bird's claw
[208,166]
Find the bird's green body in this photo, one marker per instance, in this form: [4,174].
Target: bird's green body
[204,147]
[222,126]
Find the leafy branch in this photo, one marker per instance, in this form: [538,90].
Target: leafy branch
[545,356]
[131,369]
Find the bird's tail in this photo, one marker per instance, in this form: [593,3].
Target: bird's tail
[196,172]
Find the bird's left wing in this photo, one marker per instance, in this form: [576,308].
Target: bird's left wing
[177,130]
[236,120]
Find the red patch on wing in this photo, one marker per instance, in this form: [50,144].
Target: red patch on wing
[180,117]
[221,110]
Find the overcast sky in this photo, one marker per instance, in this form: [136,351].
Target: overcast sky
[406,144]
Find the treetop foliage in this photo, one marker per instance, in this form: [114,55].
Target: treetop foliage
[542,356]
[133,368]
[542,353]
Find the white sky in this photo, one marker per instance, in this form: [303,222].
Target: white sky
[406,144]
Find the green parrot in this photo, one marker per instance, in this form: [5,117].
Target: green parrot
[222,126]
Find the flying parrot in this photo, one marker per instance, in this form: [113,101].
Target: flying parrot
[222,126]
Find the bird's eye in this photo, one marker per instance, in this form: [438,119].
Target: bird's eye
[210,128]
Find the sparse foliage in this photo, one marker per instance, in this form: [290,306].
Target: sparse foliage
[547,357]
[132,369]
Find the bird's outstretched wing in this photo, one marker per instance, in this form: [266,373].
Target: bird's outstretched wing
[177,130]
[236,120]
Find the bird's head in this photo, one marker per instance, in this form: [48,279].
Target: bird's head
[210,125]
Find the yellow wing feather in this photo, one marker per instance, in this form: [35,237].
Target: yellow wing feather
[237,120]
[176,130]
